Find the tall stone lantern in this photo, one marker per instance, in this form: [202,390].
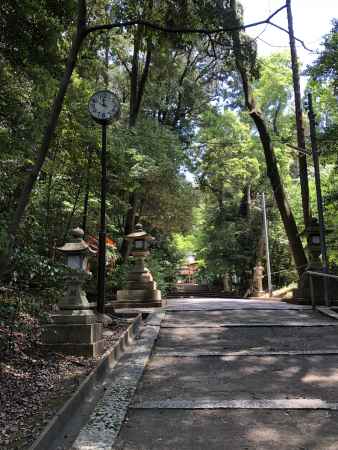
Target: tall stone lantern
[302,293]
[74,328]
[141,289]
[313,245]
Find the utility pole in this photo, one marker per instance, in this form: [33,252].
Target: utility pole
[303,171]
[313,134]
[266,239]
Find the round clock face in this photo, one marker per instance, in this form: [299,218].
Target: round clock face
[104,106]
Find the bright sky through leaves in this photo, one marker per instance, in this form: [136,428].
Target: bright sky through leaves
[312,20]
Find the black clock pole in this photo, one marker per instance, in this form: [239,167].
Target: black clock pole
[102,232]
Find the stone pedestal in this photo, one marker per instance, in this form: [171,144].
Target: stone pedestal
[74,329]
[74,339]
[302,294]
[141,289]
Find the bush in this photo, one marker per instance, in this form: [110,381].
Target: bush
[36,271]
[37,275]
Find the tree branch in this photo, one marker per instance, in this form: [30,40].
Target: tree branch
[296,39]
[158,27]
[123,62]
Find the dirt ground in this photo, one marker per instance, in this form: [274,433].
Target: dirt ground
[35,384]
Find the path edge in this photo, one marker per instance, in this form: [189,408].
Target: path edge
[110,358]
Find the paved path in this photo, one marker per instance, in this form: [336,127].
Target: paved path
[234,374]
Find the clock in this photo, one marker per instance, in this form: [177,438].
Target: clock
[104,107]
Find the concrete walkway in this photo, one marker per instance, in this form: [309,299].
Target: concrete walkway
[236,374]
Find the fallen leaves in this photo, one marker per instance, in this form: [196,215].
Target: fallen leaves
[34,385]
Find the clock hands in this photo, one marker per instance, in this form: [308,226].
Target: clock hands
[104,107]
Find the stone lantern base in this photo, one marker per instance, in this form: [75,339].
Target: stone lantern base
[142,290]
[302,294]
[74,333]
[74,329]
[138,298]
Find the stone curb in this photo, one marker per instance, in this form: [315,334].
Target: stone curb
[326,311]
[201,308]
[256,325]
[105,421]
[54,428]
[197,354]
[292,403]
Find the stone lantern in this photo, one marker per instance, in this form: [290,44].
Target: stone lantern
[74,328]
[302,293]
[141,289]
[313,245]
[76,255]
[258,280]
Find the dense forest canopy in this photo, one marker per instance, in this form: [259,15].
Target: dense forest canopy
[206,127]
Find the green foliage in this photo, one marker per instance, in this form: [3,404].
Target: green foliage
[221,158]
[228,243]
[36,272]
[164,263]
[325,67]
[323,84]
[188,120]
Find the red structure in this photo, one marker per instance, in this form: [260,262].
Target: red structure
[187,273]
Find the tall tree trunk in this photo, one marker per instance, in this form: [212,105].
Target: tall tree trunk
[87,188]
[47,224]
[303,171]
[134,77]
[71,215]
[137,88]
[129,225]
[270,158]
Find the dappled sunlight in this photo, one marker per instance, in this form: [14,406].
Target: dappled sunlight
[239,377]
[264,434]
[238,381]
[247,339]
[322,379]
[288,372]
[212,318]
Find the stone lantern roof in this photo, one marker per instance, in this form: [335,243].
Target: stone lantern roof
[139,233]
[77,245]
[312,228]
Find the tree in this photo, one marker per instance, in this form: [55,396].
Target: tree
[221,157]
[323,84]
[213,14]
[325,68]
[303,171]
[272,91]
[271,162]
